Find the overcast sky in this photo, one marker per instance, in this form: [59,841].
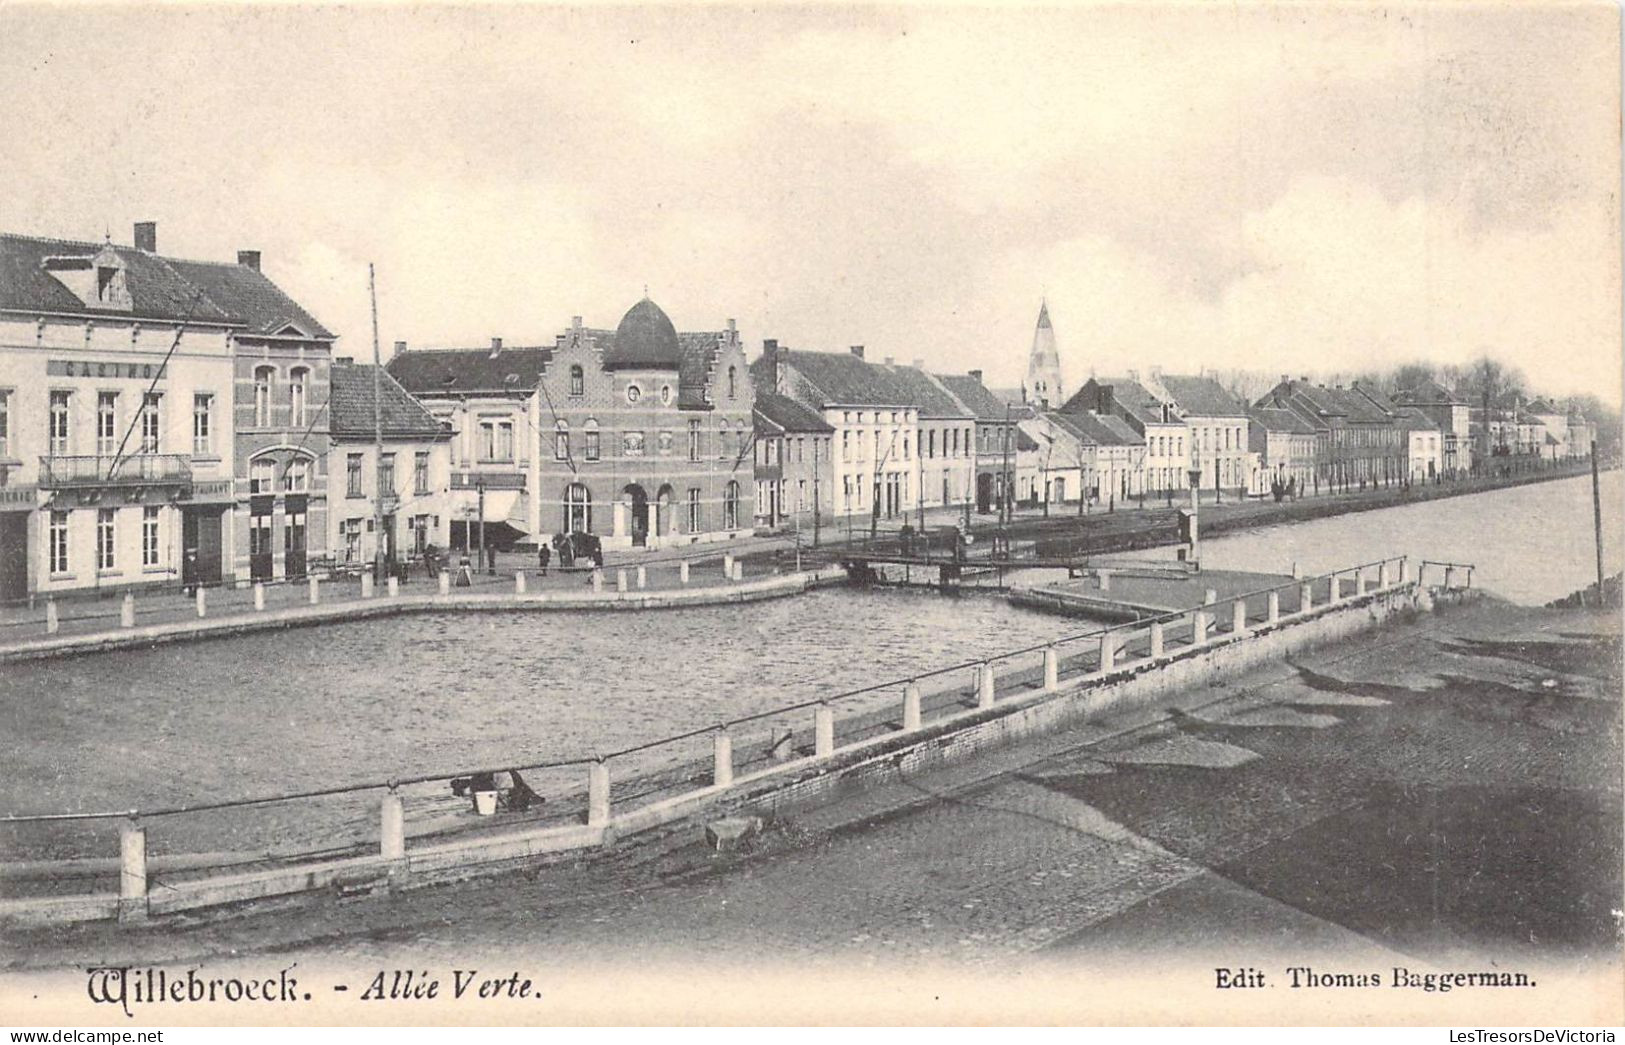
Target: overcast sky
[1279,188]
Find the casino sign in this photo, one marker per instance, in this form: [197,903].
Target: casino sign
[104,369]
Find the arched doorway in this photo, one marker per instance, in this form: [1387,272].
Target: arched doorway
[665,511]
[636,500]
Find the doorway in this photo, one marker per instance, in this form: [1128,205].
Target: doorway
[638,501]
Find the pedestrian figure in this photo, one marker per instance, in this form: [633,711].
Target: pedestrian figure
[543,554]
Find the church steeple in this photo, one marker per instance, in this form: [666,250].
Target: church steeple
[1043,384]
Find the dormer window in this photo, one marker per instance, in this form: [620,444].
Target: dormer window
[96,281]
[105,275]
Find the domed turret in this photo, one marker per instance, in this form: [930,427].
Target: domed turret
[644,338]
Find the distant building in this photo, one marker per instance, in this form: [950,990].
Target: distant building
[1066,459]
[407,489]
[1425,445]
[1119,455]
[1285,445]
[1357,442]
[996,442]
[1217,422]
[1159,425]
[794,474]
[1043,387]
[1452,414]
[945,477]
[161,420]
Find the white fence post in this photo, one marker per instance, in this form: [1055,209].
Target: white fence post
[315,591]
[126,612]
[597,794]
[1198,628]
[1238,617]
[723,759]
[620,579]
[984,685]
[823,730]
[366,585]
[202,601]
[1306,597]
[643,577]
[911,705]
[53,623]
[1274,607]
[132,878]
[519,582]
[682,571]
[1052,668]
[392,827]
[1156,638]
[394,584]
[259,596]
[1108,651]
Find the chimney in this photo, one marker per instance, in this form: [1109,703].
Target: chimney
[891,360]
[146,236]
[496,347]
[919,364]
[977,374]
[400,346]
[249,259]
[343,360]
[857,350]
[733,328]
[1134,375]
[1286,379]
[770,353]
[575,322]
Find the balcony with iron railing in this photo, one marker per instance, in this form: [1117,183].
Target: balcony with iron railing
[132,470]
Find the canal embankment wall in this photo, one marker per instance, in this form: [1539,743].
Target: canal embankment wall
[1129,669]
[619,594]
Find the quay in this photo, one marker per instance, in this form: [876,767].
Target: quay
[753,770]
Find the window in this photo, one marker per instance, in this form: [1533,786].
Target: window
[151,422]
[591,437]
[577,509]
[5,422]
[149,536]
[578,381]
[352,474]
[105,539]
[730,506]
[665,395]
[633,393]
[931,443]
[693,440]
[202,441]
[846,446]
[722,442]
[732,383]
[693,510]
[496,440]
[106,423]
[59,542]
[59,425]
[296,396]
[561,440]
[262,475]
[420,472]
[262,395]
[297,477]
[350,532]
[386,475]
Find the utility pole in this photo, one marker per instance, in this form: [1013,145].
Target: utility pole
[1596,516]
[815,492]
[1005,507]
[377,439]
[480,485]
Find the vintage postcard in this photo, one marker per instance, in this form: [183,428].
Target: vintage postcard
[708,514]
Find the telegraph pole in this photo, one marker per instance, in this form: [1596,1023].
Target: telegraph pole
[377,439]
[1596,516]
[1006,511]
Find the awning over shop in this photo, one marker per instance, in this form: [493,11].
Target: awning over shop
[501,506]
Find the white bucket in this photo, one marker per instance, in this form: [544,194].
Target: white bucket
[485,802]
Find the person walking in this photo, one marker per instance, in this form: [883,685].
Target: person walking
[543,554]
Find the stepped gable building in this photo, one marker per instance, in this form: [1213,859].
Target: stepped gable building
[1217,422]
[641,435]
[407,487]
[875,424]
[491,400]
[1043,385]
[997,438]
[1166,436]
[161,420]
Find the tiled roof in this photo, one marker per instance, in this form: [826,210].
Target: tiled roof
[350,411]
[1025,442]
[1542,406]
[1202,397]
[1411,417]
[933,400]
[1427,393]
[159,288]
[697,354]
[1356,406]
[469,371]
[983,404]
[1280,419]
[784,414]
[644,338]
[1129,395]
[1377,396]
[248,297]
[841,378]
[1102,429]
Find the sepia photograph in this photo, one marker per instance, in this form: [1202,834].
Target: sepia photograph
[800,515]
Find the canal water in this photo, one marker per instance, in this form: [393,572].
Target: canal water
[312,708]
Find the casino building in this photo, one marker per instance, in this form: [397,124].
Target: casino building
[122,377]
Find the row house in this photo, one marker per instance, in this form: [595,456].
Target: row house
[491,401]
[1357,442]
[396,457]
[1160,427]
[874,422]
[997,442]
[1216,423]
[794,475]
[945,478]
[1425,445]
[1066,464]
[161,420]
[1285,447]
[1451,414]
[1118,453]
